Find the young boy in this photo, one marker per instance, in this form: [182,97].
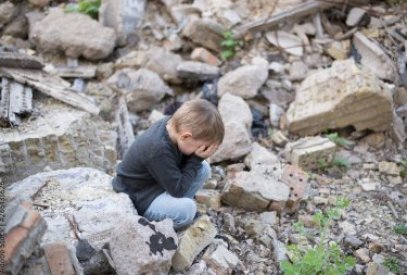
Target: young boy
[164,167]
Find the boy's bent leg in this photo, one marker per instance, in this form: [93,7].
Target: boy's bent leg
[180,210]
[203,174]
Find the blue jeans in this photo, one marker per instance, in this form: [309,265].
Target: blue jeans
[180,210]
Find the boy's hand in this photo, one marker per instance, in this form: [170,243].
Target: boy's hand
[205,152]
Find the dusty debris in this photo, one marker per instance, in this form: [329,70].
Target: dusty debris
[340,96]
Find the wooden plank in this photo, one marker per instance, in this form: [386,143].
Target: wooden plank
[125,130]
[296,13]
[59,260]
[5,100]
[53,86]
[19,60]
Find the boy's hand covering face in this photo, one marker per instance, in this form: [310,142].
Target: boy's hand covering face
[205,152]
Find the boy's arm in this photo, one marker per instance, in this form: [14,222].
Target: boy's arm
[174,180]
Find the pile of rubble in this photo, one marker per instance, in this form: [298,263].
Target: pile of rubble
[314,104]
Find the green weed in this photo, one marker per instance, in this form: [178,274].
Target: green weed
[89,7]
[324,257]
[392,264]
[229,45]
[400,229]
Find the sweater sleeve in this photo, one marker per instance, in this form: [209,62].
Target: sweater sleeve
[168,175]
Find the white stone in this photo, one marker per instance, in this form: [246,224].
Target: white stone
[288,42]
[244,81]
[237,118]
[354,16]
[142,88]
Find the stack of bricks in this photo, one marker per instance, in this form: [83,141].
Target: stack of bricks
[24,229]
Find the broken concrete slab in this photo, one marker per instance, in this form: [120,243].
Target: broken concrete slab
[123,16]
[245,81]
[254,191]
[192,241]
[192,70]
[142,88]
[309,152]
[205,32]
[139,246]
[76,39]
[79,197]
[152,60]
[61,137]
[340,96]
[23,232]
[374,58]
[237,118]
[261,156]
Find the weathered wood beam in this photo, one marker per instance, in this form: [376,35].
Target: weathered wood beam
[53,86]
[19,60]
[296,13]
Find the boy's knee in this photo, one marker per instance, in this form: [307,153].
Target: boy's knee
[186,210]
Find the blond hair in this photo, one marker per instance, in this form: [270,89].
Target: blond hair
[201,118]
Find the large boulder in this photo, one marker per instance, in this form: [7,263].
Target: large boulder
[142,88]
[340,96]
[62,137]
[244,81]
[237,118]
[79,36]
[152,59]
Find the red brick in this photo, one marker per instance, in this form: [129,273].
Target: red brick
[203,55]
[13,240]
[31,219]
[59,260]
[297,180]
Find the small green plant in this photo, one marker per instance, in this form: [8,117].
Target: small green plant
[340,141]
[89,7]
[325,257]
[229,45]
[400,229]
[339,162]
[392,264]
